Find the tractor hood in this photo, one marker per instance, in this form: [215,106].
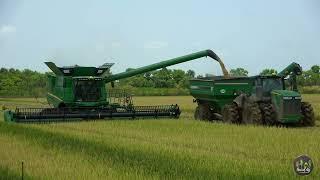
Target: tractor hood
[286,93]
[287,105]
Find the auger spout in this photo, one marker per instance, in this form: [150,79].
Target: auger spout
[293,68]
[167,63]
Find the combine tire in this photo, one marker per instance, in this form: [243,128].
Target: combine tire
[252,114]
[203,112]
[308,114]
[268,114]
[230,113]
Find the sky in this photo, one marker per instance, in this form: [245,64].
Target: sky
[253,34]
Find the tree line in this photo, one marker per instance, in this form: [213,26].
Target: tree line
[23,83]
[28,83]
[163,78]
[310,77]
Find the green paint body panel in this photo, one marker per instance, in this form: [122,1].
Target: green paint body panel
[220,91]
[291,119]
[280,98]
[8,116]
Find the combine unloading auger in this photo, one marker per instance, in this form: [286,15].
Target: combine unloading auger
[79,93]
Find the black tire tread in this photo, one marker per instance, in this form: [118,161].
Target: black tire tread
[230,113]
[268,114]
[203,112]
[255,114]
[308,114]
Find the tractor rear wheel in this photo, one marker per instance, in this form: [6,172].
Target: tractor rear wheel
[203,112]
[268,114]
[252,114]
[230,113]
[308,114]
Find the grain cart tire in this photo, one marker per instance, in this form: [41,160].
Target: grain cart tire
[230,113]
[252,114]
[268,114]
[204,112]
[196,113]
[308,114]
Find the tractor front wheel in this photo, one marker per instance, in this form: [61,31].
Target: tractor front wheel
[308,114]
[230,113]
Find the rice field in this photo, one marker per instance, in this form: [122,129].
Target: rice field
[154,149]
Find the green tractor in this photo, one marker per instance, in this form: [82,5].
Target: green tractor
[267,100]
[79,93]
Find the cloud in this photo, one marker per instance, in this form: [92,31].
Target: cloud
[7,29]
[155,45]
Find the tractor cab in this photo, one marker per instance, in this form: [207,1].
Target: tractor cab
[287,103]
[269,83]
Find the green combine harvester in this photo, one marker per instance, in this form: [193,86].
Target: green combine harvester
[79,93]
[268,100]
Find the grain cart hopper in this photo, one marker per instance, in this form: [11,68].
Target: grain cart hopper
[268,100]
[77,93]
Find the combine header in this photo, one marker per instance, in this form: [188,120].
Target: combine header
[79,93]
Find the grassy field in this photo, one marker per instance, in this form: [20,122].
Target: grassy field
[154,149]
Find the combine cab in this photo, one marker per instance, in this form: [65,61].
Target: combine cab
[79,93]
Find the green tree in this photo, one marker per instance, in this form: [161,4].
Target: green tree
[163,78]
[14,82]
[239,72]
[184,83]
[310,77]
[191,73]
[315,69]
[178,75]
[267,72]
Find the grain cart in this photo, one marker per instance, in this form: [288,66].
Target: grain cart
[268,100]
[77,93]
